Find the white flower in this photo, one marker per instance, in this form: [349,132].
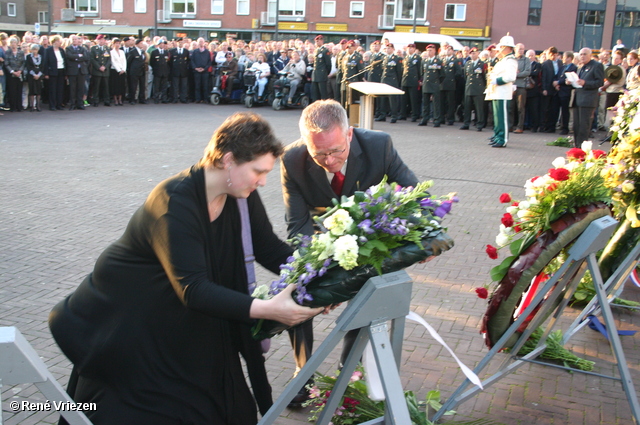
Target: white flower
[572,165]
[530,193]
[512,210]
[586,146]
[589,165]
[261,292]
[349,203]
[323,245]
[524,205]
[524,213]
[502,240]
[533,201]
[338,222]
[508,231]
[559,162]
[346,251]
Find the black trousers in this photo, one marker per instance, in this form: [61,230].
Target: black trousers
[76,90]
[533,112]
[550,111]
[319,90]
[14,92]
[474,102]
[140,82]
[100,89]
[390,105]
[431,105]
[582,120]
[448,105]
[201,84]
[413,96]
[564,111]
[160,84]
[179,88]
[56,89]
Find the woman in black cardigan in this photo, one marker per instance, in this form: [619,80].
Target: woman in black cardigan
[53,67]
[14,64]
[156,330]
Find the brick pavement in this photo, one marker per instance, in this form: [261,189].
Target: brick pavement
[71,181]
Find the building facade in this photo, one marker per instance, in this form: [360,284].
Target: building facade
[268,19]
[568,24]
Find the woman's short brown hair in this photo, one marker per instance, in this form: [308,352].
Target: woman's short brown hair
[247,136]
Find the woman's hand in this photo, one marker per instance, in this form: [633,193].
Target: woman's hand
[283,309]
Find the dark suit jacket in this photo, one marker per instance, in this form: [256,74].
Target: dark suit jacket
[160,63]
[548,76]
[565,90]
[179,63]
[50,63]
[77,60]
[307,191]
[593,75]
[136,62]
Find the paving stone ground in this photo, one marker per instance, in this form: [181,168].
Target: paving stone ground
[71,180]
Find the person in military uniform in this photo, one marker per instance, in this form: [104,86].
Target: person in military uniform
[410,81]
[353,66]
[160,65]
[391,75]
[321,69]
[475,84]
[432,76]
[136,61]
[375,71]
[179,61]
[100,61]
[500,90]
[448,86]
[339,70]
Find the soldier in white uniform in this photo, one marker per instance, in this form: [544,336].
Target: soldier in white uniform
[500,90]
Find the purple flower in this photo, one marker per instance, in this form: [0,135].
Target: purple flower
[302,295]
[365,225]
[291,259]
[427,203]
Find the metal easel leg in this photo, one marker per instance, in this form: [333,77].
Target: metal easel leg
[614,340]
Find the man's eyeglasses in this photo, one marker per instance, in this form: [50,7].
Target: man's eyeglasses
[328,154]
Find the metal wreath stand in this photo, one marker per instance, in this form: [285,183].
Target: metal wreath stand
[382,299]
[592,240]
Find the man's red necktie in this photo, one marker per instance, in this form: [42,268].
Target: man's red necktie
[337,182]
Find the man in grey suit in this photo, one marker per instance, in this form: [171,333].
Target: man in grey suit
[331,159]
[591,78]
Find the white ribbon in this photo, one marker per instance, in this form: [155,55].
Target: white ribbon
[374,384]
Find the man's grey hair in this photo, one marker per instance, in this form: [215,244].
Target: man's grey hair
[321,116]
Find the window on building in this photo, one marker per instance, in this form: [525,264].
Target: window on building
[140,6]
[90,6]
[291,7]
[242,7]
[591,17]
[627,19]
[11,9]
[534,16]
[183,6]
[328,9]
[217,7]
[455,12]
[43,17]
[404,10]
[356,9]
[117,6]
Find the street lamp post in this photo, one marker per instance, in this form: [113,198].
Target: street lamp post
[415,15]
[275,35]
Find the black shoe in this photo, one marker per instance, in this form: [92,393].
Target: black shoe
[381,118]
[498,145]
[53,109]
[479,129]
[450,123]
[59,108]
[80,108]
[534,130]
[71,108]
[549,131]
[95,105]
[414,119]
[402,119]
[464,127]
[107,104]
[564,132]
[300,398]
[132,102]
[436,124]
[393,120]
[422,123]
[143,102]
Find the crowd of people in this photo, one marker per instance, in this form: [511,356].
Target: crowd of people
[441,85]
